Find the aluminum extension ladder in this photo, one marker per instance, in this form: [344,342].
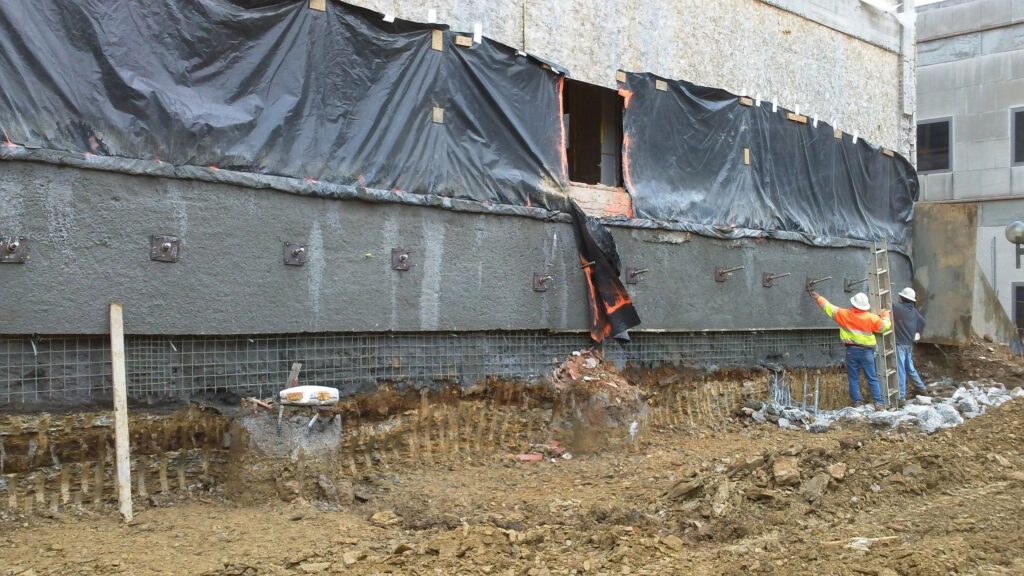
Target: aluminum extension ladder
[881,299]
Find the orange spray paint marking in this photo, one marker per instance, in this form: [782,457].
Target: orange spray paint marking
[626,95]
[561,126]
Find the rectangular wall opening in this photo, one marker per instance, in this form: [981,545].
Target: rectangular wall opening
[934,139]
[593,133]
[1018,308]
[1017,136]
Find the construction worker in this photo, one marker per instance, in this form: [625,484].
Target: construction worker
[857,328]
[908,324]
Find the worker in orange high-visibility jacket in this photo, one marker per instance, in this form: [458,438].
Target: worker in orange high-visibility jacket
[857,329]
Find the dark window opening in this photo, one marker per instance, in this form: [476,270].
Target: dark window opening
[1017,135]
[1018,308]
[933,145]
[593,133]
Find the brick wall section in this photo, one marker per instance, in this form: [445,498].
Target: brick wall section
[602,201]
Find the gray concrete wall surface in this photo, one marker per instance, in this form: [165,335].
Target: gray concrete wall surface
[89,235]
[971,70]
[944,269]
[837,59]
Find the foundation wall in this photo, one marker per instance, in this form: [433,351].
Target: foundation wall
[89,244]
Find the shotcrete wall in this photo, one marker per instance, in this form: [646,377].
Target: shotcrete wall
[89,236]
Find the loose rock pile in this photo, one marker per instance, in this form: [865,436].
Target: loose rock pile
[925,413]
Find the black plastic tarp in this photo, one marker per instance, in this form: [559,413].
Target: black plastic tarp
[273,87]
[685,163]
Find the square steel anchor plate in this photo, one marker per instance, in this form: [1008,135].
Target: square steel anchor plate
[294,253]
[400,259]
[164,248]
[13,250]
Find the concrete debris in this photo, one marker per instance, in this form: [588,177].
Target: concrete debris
[672,541]
[686,488]
[926,413]
[837,471]
[786,471]
[385,518]
[552,451]
[815,487]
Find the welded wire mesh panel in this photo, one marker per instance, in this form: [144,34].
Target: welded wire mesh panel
[40,369]
[76,369]
[792,348]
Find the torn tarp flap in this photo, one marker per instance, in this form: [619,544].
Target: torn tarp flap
[686,150]
[611,308]
[276,88]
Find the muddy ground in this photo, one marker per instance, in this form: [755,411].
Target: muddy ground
[733,498]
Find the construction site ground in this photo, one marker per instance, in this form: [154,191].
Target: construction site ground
[734,497]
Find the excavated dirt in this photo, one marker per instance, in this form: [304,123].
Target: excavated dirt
[683,498]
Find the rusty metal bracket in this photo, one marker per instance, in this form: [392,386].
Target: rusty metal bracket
[401,259]
[721,274]
[294,253]
[633,274]
[164,248]
[540,282]
[13,250]
[848,284]
[812,282]
[768,280]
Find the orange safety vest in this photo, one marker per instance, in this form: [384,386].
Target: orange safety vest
[856,327]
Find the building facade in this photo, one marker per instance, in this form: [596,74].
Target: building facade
[970,93]
[229,315]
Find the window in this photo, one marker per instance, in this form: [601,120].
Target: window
[593,133]
[1017,135]
[933,145]
[1018,308]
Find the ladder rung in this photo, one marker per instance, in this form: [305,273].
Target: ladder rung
[883,292]
[890,372]
[880,251]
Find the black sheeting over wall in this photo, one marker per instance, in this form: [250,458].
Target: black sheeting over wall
[277,88]
[685,163]
[265,87]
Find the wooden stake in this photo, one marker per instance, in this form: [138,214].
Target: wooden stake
[165,485]
[121,445]
[12,491]
[65,484]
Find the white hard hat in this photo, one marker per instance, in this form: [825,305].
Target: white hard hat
[860,301]
[909,294]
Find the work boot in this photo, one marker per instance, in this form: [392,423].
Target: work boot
[920,390]
[857,404]
[879,406]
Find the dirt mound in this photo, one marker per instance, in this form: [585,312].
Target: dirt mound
[980,360]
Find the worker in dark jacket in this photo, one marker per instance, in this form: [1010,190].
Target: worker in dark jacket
[908,324]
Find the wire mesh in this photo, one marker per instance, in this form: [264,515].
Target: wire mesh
[77,368]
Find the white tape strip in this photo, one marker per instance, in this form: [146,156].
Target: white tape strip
[478,32]
[432,16]
[389,17]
